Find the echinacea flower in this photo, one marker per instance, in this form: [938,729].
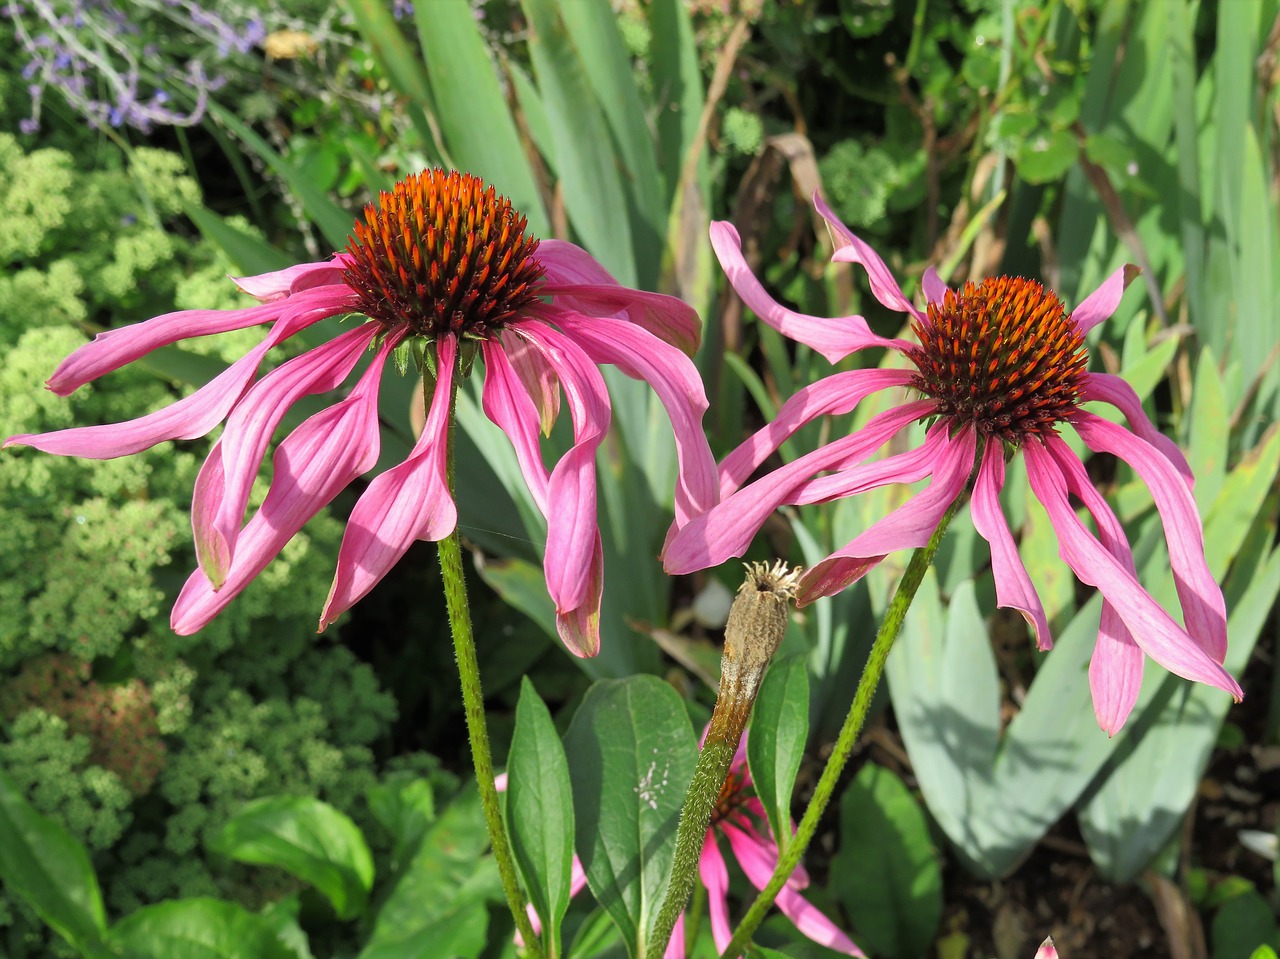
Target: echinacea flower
[442,267]
[999,367]
[740,817]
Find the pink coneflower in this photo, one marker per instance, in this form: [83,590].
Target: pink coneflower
[740,818]
[441,269]
[999,366]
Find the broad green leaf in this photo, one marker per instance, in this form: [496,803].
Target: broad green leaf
[197,929]
[308,839]
[1207,446]
[475,120]
[779,729]
[437,906]
[540,812]
[405,806]
[586,161]
[632,752]
[282,917]
[1243,927]
[887,873]
[251,254]
[42,864]
[1047,155]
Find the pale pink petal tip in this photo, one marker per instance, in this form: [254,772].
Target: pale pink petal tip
[1047,949]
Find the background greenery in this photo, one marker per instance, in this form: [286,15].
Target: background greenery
[1052,139]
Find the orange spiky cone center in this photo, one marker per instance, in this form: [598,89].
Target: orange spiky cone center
[1003,356]
[443,253]
[732,795]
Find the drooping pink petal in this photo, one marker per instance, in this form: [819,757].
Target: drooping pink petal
[192,416]
[850,249]
[832,396]
[675,946]
[728,528]
[211,482]
[312,465]
[832,338]
[112,349]
[1158,635]
[908,527]
[536,374]
[579,627]
[1115,669]
[675,380]
[934,289]
[276,285]
[254,420]
[508,404]
[571,492]
[1105,388]
[907,467]
[1102,302]
[715,878]
[1203,608]
[577,281]
[1014,589]
[758,862]
[407,503]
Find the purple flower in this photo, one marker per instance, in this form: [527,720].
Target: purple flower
[998,367]
[443,265]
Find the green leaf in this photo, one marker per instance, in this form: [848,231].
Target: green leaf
[779,730]
[197,929]
[540,812]
[632,752]
[46,867]
[1047,155]
[308,839]
[1243,927]
[475,122]
[437,906]
[887,873]
[251,254]
[1209,441]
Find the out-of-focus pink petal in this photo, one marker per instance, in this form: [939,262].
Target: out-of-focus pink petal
[579,627]
[675,947]
[675,380]
[507,403]
[571,492]
[833,338]
[1158,635]
[934,288]
[758,858]
[908,527]
[1203,608]
[536,374]
[715,877]
[849,249]
[1102,302]
[281,283]
[255,418]
[408,502]
[1014,589]
[831,396]
[312,465]
[1105,388]
[1047,950]
[577,281]
[1115,670]
[728,528]
[113,349]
